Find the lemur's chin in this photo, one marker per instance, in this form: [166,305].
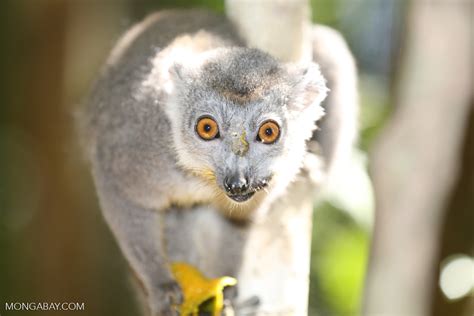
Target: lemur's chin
[240,198]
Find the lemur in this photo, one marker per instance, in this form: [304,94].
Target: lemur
[184,115]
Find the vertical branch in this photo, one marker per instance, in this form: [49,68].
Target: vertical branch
[415,163]
[281,28]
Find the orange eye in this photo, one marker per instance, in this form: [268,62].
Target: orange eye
[268,132]
[207,128]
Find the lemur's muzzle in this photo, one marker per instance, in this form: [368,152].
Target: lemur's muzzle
[237,188]
[241,188]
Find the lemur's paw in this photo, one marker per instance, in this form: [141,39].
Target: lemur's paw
[247,307]
[167,299]
[173,293]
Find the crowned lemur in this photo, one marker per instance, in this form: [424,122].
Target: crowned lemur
[183,115]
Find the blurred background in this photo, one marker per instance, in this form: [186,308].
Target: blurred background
[54,244]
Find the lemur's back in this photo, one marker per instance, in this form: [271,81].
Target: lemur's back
[158,30]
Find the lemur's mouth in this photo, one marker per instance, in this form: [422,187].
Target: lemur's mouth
[241,197]
[239,190]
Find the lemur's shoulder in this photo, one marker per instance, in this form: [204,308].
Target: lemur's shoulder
[337,131]
[159,29]
[330,47]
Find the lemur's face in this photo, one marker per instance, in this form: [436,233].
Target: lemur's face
[244,120]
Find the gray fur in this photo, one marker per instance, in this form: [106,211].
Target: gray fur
[148,161]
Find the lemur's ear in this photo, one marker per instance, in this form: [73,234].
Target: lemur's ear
[184,72]
[179,75]
[177,72]
[170,76]
[309,86]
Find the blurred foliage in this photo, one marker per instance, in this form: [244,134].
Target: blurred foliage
[326,11]
[339,256]
[374,109]
[215,5]
[145,7]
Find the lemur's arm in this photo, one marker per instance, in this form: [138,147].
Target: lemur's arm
[139,236]
[338,129]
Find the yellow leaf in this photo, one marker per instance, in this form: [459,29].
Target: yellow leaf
[198,289]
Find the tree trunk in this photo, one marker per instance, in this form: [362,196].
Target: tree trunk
[280,27]
[415,163]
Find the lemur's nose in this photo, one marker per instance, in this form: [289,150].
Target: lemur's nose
[237,184]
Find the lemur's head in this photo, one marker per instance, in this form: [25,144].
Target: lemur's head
[241,119]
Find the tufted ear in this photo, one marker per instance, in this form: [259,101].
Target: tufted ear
[186,65]
[308,86]
[177,73]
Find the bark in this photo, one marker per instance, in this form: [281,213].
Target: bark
[281,28]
